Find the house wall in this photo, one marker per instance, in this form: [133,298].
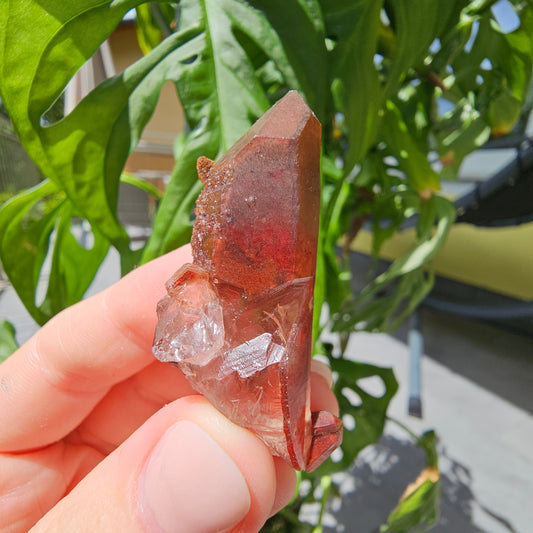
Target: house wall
[153,156]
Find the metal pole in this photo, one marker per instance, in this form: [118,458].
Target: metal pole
[416,349]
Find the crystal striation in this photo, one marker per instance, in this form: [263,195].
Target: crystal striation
[238,322]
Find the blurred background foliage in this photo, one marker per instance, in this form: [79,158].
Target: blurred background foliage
[404,89]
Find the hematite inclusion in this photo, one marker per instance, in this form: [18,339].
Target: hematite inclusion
[238,322]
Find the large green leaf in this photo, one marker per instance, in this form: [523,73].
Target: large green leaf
[222,96]
[366,410]
[83,153]
[358,86]
[340,17]
[301,30]
[42,45]
[41,225]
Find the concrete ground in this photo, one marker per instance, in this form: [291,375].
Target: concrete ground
[477,385]
[477,393]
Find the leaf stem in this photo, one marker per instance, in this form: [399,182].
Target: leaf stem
[413,435]
[325,483]
[147,187]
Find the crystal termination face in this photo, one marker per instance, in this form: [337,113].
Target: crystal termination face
[238,322]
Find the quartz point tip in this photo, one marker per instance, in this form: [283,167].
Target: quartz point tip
[238,322]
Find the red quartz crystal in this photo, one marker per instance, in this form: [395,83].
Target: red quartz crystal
[238,322]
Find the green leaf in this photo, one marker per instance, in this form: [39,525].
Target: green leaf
[148,32]
[331,284]
[424,251]
[42,46]
[417,512]
[152,23]
[360,91]
[418,509]
[300,28]
[382,304]
[412,159]
[369,414]
[459,133]
[8,344]
[222,96]
[415,23]
[336,201]
[339,17]
[496,68]
[519,53]
[84,153]
[144,185]
[38,226]
[319,291]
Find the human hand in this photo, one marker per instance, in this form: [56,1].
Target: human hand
[96,435]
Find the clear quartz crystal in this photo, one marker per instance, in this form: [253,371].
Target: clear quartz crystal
[252,356]
[191,324]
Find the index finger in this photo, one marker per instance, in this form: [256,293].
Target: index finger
[54,380]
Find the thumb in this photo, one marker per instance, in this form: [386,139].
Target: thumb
[187,469]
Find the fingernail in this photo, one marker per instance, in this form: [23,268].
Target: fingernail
[321,368]
[190,484]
